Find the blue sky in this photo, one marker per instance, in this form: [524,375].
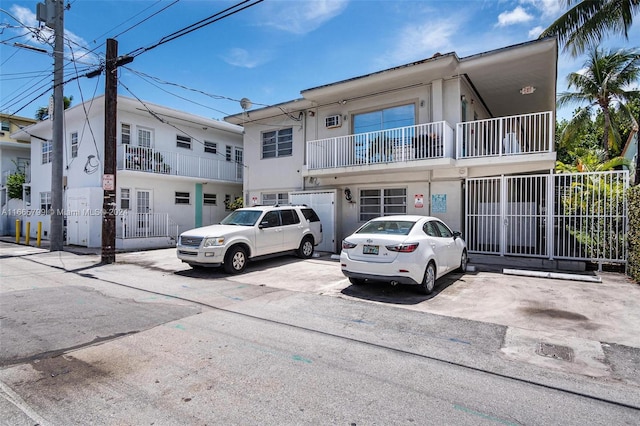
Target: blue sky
[267,53]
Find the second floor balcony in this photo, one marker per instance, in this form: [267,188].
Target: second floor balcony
[149,160]
[497,137]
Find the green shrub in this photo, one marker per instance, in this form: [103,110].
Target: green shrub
[633,258]
[14,185]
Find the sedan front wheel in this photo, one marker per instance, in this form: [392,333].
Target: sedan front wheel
[429,280]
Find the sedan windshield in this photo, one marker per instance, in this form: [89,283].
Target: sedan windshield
[399,227]
[242,218]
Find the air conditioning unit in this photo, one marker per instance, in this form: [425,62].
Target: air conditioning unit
[332,121]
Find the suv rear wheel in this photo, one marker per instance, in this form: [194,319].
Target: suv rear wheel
[235,260]
[305,250]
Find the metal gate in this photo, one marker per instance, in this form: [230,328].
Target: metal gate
[580,216]
[324,203]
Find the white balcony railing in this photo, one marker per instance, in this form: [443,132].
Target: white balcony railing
[420,142]
[518,134]
[174,163]
[145,225]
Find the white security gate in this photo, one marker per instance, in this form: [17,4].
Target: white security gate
[324,204]
[579,216]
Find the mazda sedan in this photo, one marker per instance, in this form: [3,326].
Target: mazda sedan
[403,249]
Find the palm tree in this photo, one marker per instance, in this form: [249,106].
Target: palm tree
[605,81]
[587,23]
[43,112]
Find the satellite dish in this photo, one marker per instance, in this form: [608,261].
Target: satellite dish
[245,103]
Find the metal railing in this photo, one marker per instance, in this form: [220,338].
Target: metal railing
[177,164]
[145,225]
[517,134]
[420,142]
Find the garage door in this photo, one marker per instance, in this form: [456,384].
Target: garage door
[324,203]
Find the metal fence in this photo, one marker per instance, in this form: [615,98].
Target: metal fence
[145,225]
[578,216]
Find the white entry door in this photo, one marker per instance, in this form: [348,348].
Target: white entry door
[143,212]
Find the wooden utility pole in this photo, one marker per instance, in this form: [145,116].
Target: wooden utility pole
[56,237]
[109,171]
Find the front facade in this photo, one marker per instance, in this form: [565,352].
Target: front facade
[406,140]
[175,171]
[14,158]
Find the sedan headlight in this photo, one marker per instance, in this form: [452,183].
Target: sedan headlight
[403,248]
[213,242]
[346,245]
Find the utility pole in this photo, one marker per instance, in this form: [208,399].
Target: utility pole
[109,173]
[113,61]
[52,14]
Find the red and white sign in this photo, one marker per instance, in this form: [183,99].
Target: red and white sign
[108,182]
[419,201]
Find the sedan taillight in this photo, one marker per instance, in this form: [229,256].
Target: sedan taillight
[403,248]
[346,245]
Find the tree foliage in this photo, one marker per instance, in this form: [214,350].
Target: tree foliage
[588,22]
[14,184]
[43,112]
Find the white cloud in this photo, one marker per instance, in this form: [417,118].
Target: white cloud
[548,8]
[516,16]
[422,41]
[301,17]
[535,32]
[242,58]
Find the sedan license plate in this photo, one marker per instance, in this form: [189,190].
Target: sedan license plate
[366,249]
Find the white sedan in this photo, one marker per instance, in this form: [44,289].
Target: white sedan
[403,249]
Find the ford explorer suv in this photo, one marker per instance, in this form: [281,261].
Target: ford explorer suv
[249,233]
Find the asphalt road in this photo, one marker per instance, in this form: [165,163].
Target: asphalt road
[149,341]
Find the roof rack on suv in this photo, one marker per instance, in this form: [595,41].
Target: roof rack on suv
[290,205]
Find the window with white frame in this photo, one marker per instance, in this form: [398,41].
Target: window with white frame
[47,148]
[45,202]
[209,199]
[183,141]
[210,147]
[227,201]
[275,198]
[183,198]
[382,202]
[278,143]
[227,153]
[145,137]
[125,134]
[125,198]
[6,126]
[74,144]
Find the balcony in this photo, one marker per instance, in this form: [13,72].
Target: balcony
[497,137]
[513,135]
[149,160]
[421,142]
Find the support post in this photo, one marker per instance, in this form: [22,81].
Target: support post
[27,233]
[109,176]
[17,231]
[57,213]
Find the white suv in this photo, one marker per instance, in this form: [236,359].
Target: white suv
[249,233]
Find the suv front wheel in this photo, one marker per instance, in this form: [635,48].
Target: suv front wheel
[235,260]
[305,250]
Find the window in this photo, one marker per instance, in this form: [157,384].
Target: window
[444,231]
[273,199]
[144,138]
[6,126]
[382,202]
[183,142]
[209,199]
[47,148]
[389,118]
[227,153]
[74,144]
[183,198]
[278,143]
[125,134]
[125,198]
[45,201]
[289,217]
[210,147]
[227,201]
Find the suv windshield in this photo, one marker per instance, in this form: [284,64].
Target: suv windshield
[242,218]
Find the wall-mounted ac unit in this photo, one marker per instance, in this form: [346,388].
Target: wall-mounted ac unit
[332,121]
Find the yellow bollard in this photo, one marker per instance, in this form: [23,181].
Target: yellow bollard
[17,231]
[28,233]
[39,234]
